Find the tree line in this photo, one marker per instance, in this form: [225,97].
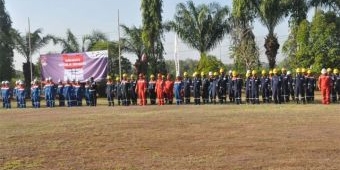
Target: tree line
[311,44]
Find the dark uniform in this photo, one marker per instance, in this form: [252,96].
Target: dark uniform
[197,84]
[213,88]
[255,88]
[132,91]
[237,84]
[300,84]
[118,91]
[109,91]
[285,88]
[222,88]
[60,93]
[187,83]
[205,89]
[230,88]
[265,84]
[333,88]
[248,88]
[276,84]
[93,92]
[151,90]
[311,85]
[337,84]
[125,86]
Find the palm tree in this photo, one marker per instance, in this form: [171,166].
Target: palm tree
[331,4]
[90,40]
[202,27]
[22,47]
[69,44]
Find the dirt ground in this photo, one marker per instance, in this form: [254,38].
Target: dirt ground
[172,137]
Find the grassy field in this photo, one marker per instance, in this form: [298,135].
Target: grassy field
[171,137]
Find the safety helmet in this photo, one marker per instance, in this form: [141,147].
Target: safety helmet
[6,82]
[210,73]
[163,76]
[185,73]
[263,72]
[21,82]
[283,69]
[298,70]
[195,74]
[247,75]
[221,70]
[248,71]
[215,73]
[288,73]
[270,71]
[132,76]
[202,73]
[152,76]
[59,81]
[3,82]
[124,75]
[254,72]
[230,72]
[159,75]
[309,71]
[275,71]
[303,70]
[323,71]
[117,79]
[329,70]
[108,77]
[335,71]
[234,73]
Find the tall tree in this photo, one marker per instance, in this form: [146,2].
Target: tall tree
[69,44]
[22,46]
[202,27]
[133,43]
[6,44]
[91,39]
[152,34]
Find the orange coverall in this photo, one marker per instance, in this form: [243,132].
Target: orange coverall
[324,85]
[169,90]
[141,91]
[160,90]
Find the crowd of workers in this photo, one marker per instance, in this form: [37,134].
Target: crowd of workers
[276,86]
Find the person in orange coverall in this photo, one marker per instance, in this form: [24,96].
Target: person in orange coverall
[160,89]
[324,85]
[141,90]
[169,89]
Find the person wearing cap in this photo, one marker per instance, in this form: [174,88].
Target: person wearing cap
[125,86]
[222,87]
[337,83]
[152,89]
[109,91]
[265,84]
[276,84]
[237,87]
[118,91]
[35,94]
[230,87]
[255,88]
[285,86]
[21,93]
[132,89]
[213,89]
[6,95]
[333,80]
[205,88]
[248,86]
[324,84]
[310,86]
[169,89]
[197,84]
[178,88]
[141,88]
[291,85]
[60,93]
[187,84]
[15,92]
[159,89]
[300,84]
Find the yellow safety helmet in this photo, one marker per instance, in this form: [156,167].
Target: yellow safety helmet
[185,73]
[303,70]
[329,70]
[270,71]
[254,72]
[234,73]
[298,70]
[195,74]
[152,76]
[221,70]
[283,69]
[202,73]
[247,75]
[117,78]
[215,73]
[274,70]
[335,71]
[263,72]
[132,76]
[108,77]
[124,75]
[309,71]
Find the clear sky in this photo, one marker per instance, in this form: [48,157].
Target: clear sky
[83,16]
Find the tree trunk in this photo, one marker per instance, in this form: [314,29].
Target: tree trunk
[272,46]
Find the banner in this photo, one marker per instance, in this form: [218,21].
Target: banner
[77,66]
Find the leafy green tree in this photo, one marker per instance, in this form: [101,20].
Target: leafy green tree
[203,26]
[69,44]
[22,47]
[152,34]
[90,40]
[209,63]
[6,44]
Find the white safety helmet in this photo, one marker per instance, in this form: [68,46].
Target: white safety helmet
[210,73]
[21,82]
[3,82]
[288,73]
[6,82]
[323,71]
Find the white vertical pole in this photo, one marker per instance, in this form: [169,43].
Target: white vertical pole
[176,57]
[120,60]
[30,48]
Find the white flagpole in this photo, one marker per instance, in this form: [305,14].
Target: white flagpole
[120,67]
[176,57]
[30,48]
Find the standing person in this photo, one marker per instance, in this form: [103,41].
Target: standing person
[118,91]
[87,92]
[213,87]
[125,86]
[21,92]
[205,88]
[237,87]
[197,84]
[78,93]
[93,92]
[109,91]
[2,85]
[60,93]
[337,82]
[324,85]
[132,89]
[6,95]
[48,91]
[248,87]
[152,89]
[255,87]
[311,84]
[15,91]
[169,89]
[35,94]
[141,90]
[222,87]
[270,75]
[160,89]
[333,80]
[276,84]
[290,80]
[265,84]
[300,84]
[187,83]
[230,87]
[178,88]
[285,86]
[68,92]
